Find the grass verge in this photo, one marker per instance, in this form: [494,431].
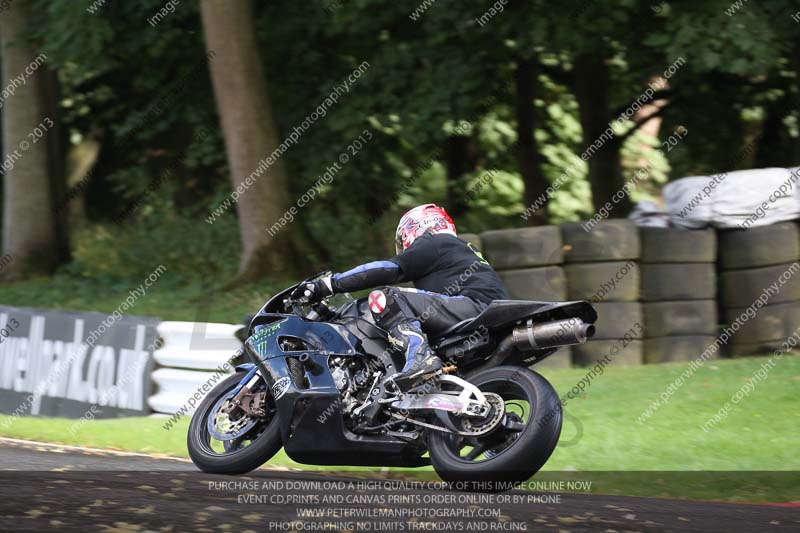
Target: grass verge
[166,299]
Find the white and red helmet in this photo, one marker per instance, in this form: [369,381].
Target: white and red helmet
[417,221]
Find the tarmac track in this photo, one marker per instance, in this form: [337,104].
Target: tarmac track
[49,487]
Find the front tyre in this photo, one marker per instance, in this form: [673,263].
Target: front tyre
[519,446]
[220,443]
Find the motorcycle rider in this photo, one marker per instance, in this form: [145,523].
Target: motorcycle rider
[453,283]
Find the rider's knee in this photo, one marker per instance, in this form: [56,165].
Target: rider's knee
[387,307]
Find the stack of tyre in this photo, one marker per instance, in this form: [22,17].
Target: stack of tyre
[528,261]
[679,287]
[751,261]
[600,266]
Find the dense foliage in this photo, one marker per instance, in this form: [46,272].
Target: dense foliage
[439,97]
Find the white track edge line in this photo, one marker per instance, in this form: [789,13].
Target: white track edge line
[86,449]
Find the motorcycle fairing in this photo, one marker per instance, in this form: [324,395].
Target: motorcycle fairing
[309,407]
[324,337]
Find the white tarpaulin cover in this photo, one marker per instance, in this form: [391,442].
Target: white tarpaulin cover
[647,213]
[741,199]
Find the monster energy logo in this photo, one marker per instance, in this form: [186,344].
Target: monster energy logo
[261,339]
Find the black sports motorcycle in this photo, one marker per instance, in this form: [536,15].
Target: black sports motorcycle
[315,385]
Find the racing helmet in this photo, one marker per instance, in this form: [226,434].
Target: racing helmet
[417,221]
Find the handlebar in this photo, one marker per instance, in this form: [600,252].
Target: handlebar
[319,309]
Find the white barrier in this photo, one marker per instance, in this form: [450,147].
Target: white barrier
[175,387]
[191,355]
[196,345]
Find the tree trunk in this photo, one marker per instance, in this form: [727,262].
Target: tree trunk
[530,158]
[774,147]
[796,62]
[605,168]
[29,234]
[56,161]
[461,158]
[240,88]
[82,162]
[651,128]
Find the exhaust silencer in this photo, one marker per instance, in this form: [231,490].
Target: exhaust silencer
[551,334]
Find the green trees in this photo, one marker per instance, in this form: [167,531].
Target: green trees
[738,87]
[487,109]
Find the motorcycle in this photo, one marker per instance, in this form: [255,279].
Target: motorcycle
[315,384]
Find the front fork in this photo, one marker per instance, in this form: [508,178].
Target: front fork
[255,364]
[243,397]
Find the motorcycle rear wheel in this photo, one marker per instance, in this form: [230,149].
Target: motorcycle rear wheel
[264,439]
[517,448]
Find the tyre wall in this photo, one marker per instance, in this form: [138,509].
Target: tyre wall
[557,263]
[679,289]
[662,295]
[530,263]
[760,286]
[602,266]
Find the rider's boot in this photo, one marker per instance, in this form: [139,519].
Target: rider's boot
[421,362]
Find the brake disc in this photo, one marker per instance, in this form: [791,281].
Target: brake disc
[485,425]
[220,425]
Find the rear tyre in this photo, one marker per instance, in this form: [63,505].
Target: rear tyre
[236,456]
[520,445]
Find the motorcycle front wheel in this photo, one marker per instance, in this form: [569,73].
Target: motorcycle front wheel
[520,444]
[223,444]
